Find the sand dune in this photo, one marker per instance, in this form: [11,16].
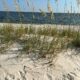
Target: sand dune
[14,66]
[66,66]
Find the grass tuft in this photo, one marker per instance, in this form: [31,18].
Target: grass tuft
[42,40]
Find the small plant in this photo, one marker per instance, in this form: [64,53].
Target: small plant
[31,30]
[41,45]
[47,31]
[70,33]
[8,33]
[20,31]
[76,40]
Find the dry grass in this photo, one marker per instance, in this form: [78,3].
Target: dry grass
[43,41]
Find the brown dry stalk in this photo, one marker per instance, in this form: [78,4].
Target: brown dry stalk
[17,7]
[78,2]
[27,3]
[49,6]
[5,5]
[31,7]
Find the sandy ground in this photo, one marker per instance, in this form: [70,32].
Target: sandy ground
[41,25]
[66,66]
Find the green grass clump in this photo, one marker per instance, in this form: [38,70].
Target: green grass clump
[76,40]
[41,45]
[42,40]
[31,30]
[19,32]
[47,31]
[7,32]
[70,33]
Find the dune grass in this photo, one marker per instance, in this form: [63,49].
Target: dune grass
[42,40]
[76,40]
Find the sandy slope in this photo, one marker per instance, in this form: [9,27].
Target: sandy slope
[66,66]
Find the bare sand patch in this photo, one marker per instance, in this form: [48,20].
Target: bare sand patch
[66,66]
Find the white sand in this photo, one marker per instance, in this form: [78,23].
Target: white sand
[41,25]
[66,66]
